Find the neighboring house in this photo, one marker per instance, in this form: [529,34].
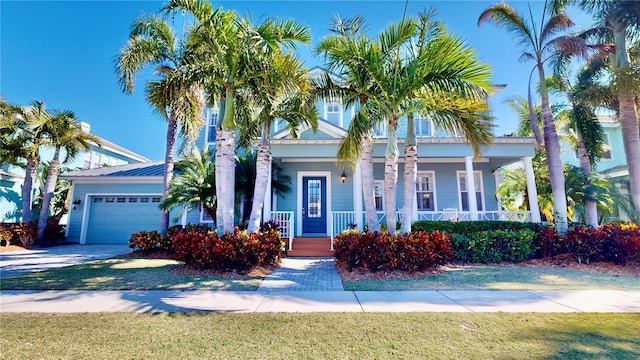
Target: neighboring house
[12,178]
[613,163]
[324,199]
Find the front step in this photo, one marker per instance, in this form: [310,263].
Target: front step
[311,247]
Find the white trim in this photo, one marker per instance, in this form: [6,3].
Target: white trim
[480,187]
[208,112]
[340,112]
[379,182]
[431,173]
[66,229]
[608,144]
[323,126]
[87,209]
[423,123]
[300,175]
[115,180]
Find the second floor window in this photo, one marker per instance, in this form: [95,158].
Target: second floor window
[606,153]
[380,130]
[423,126]
[212,125]
[333,112]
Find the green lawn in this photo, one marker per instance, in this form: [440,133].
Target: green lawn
[488,277]
[320,336]
[125,274]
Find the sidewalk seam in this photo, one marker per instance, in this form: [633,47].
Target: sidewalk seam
[358,300]
[450,299]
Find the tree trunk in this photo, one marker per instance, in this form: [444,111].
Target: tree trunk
[391,177]
[410,173]
[263,172]
[556,171]
[628,117]
[27,190]
[49,188]
[590,209]
[168,170]
[368,192]
[225,193]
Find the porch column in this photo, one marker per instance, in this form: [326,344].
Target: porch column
[358,217]
[471,188]
[266,206]
[531,189]
[183,219]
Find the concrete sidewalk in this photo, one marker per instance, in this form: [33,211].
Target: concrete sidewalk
[320,301]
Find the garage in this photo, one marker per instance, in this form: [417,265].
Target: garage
[113,218]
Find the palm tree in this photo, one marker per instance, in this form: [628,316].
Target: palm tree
[61,132]
[193,186]
[226,50]
[619,22]
[346,53]
[281,92]
[541,43]
[174,95]
[21,141]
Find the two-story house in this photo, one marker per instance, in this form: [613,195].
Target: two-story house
[451,185]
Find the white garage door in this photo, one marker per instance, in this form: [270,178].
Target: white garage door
[113,218]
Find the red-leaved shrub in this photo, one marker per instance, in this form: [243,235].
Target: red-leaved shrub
[381,251]
[549,242]
[585,243]
[622,243]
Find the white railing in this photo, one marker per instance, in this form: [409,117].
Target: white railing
[284,219]
[340,221]
[521,216]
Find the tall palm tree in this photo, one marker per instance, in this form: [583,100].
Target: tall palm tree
[67,138]
[618,22]
[540,42]
[226,50]
[346,52]
[21,141]
[282,92]
[174,95]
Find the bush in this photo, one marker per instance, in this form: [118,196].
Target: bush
[548,243]
[145,241]
[469,227]
[201,247]
[622,243]
[53,233]
[495,246]
[417,251]
[26,233]
[585,243]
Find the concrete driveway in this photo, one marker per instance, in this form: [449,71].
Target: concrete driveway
[25,261]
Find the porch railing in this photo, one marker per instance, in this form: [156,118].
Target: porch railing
[284,219]
[340,220]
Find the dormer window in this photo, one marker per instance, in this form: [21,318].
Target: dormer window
[333,112]
[380,130]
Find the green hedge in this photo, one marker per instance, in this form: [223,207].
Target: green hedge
[468,227]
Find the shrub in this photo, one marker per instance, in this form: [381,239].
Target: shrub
[7,236]
[26,233]
[53,233]
[381,251]
[549,243]
[201,247]
[622,243]
[145,241]
[585,243]
[469,227]
[495,246]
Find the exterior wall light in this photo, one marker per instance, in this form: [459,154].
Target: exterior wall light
[343,177]
[75,203]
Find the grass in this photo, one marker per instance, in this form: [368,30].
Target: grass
[486,277]
[125,274]
[320,335]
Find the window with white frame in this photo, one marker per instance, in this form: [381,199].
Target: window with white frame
[380,130]
[332,111]
[425,191]
[606,148]
[423,126]
[87,160]
[212,124]
[378,194]
[97,157]
[464,192]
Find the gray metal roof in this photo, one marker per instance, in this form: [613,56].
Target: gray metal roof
[148,169]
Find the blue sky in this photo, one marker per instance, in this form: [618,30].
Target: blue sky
[62,52]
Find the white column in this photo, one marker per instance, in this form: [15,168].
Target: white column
[496,175]
[471,189]
[266,206]
[358,217]
[183,220]
[531,189]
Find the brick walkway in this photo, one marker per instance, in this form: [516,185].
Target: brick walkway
[304,274]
